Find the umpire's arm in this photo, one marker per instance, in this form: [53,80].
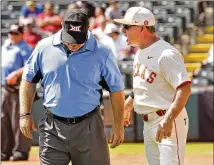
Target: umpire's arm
[117,102]
[115,86]
[31,76]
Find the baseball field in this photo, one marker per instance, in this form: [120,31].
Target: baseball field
[134,154]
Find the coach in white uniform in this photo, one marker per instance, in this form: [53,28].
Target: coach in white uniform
[161,89]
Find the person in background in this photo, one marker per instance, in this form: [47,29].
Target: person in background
[48,21]
[113,11]
[29,11]
[94,21]
[122,48]
[101,25]
[30,37]
[15,52]
[102,37]
[72,6]
[88,7]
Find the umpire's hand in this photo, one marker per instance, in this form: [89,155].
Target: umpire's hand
[27,125]
[117,135]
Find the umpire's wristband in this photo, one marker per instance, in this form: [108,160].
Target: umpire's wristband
[132,95]
[25,114]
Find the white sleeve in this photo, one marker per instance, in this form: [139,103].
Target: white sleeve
[173,68]
[124,44]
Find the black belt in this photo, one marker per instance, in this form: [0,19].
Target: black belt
[72,120]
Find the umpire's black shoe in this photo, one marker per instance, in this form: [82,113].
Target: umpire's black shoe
[17,156]
[4,157]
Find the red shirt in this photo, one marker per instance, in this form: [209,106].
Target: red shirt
[31,38]
[49,28]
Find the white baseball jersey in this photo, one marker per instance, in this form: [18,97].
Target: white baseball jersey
[157,71]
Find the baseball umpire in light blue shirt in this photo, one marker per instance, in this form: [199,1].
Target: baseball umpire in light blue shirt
[15,52]
[73,68]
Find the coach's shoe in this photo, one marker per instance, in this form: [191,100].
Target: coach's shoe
[17,156]
[4,157]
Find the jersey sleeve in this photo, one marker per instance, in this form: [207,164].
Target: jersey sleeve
[32,72]
[111,74]
[173,68]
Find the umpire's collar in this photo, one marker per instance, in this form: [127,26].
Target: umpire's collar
[90,43]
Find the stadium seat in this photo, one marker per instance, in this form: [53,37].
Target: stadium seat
[124,6]
[163,4]
[190,74]
[182,17]
[191,6]
[200,82]
[166,33]
[160,13]
[3,38]
[209,29]
[207,38]
[195,57]
[4,5]
[199,48]
[192,66]
[208,66]
[147,5]
[208,74]
[14,8]
[175,24]
[6,16]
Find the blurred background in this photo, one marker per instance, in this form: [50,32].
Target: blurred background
[187,25]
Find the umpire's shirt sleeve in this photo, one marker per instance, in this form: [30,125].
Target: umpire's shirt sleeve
[111,74]
[32,71]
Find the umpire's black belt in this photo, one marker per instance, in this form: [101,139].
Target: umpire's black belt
[72,120]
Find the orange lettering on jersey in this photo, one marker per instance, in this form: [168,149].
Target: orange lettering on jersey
[136,70]
[143,72]
[151,77]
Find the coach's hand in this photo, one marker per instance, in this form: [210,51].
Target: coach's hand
[117,136]
[127,117]
[164,130]
[27,125]
[128,108]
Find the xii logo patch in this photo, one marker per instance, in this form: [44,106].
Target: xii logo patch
[74,28]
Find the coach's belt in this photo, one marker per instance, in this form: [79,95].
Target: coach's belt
[72,120]
[159,113]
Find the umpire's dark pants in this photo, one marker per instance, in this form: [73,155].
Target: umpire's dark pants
[83,143]
[11,137]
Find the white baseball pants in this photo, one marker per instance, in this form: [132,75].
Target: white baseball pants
[171,150]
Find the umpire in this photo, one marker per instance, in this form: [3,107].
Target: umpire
[73,67]
[15,53]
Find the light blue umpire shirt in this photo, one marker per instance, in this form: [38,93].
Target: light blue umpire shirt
[72,82]
[13,57]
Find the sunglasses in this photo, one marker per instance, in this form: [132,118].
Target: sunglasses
[127,27]
[14,33]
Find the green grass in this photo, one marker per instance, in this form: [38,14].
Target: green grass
[192,149]
[138,148]
[128,148]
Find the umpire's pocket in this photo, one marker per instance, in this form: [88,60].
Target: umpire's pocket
[99,119]
[41,122]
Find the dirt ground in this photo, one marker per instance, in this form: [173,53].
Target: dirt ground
[129,160]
